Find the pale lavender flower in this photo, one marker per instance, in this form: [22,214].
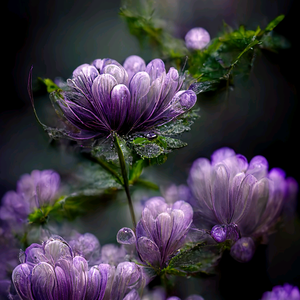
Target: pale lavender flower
[285,292]
[106,97]
[34,190]
[160,294]
[13,211]
[197,38]
[162,230]
[234,198]
[173,193]
[113,254]
[86,245]
[39,188]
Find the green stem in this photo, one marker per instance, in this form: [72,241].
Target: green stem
[125,178]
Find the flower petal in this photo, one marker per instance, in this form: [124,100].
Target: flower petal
[155,68]
[21,280]
[134,64]
[199,181]
[118,72]
[257,206]
[56,248]
[220,199]
[149,252]
[132,295]
[258,167]
[79,280]
[164,225]
[221,154]
[243,199]
[43,282]
[119,106]
[126,277]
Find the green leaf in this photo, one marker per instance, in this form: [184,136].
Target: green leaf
[174,143]
[179,125]
[147,184]
[136,170]
[155,147]
[148,150]
[194,259]
[51,86]
[274,23]
[89,178]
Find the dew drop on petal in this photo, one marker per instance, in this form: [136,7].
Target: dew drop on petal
[126,236]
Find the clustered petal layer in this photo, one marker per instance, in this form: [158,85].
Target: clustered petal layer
[162,230]
[234,198]
[53,271]
[107,97]
[285,292]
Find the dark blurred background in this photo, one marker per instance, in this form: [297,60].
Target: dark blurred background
[260,117]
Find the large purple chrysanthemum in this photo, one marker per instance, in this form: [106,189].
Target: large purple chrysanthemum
[53,271]
[285,292]
[106,97]
[234,198]
[162,230]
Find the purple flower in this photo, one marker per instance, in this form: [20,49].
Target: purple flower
[173,193]
[9,253]
[234,198]
[243,197]
[87,246]
[113,254]
[128,276]
[162,230]
[160,294]
[285,292]
[197,38]
[38,189]
[53,271]
[106,97]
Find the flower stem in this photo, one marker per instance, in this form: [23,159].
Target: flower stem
[125,178]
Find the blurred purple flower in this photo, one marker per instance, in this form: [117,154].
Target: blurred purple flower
[9,255]
[160,294]
[39,188]
[162,230]
[106,97]
[243,249]
[53,271]
[34,190]
[197,38]
[87,246]
[173,193]
[233,198]
[113,254]
[285,292]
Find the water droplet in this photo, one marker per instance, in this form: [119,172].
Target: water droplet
[126,236]
[151,135]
